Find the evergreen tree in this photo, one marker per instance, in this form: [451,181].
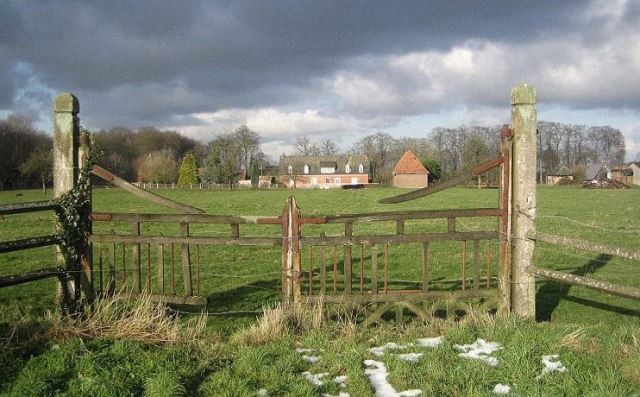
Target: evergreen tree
[254,172]
[188,170]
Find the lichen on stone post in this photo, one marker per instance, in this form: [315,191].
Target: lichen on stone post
[66,134]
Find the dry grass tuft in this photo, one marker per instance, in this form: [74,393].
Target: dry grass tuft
[578,341]
[124,317]
[279,321]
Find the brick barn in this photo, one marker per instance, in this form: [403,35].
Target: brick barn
[409,172]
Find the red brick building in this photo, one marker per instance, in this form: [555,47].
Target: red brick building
[409,172]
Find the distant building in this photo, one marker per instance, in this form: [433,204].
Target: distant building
[323,172]
[597,173]
[635,172]
[561,173]
[409,172]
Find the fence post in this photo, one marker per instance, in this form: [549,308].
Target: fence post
[66,134]
[291,271]
[505,221]
[524,120]
[86,256]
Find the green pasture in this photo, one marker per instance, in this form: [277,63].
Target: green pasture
[596,334]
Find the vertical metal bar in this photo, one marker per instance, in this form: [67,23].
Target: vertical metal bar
[335,270]
[323,268]
[488,264]
[476,265]
[124,261]
[386,268]
[235,230]
[310,270]
[173,270]
[374,269]
[186,261]
[100,266]
[451,225]
[160,249]
[425,266]
[504,254]
[112,270]
[198,269]
[361,268]
[464,265]
[135,252]
[348,232]
[148,287]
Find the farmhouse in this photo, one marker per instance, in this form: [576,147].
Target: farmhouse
[561,173]
[596,173]
[409,172]
[323,172]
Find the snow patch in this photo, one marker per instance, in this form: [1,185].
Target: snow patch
[411,357]
[310,359]
[480,350]
[380,350]
[552,364]
[501,389]
[423,342]
[341,380]
[315,379]
[303,350]
[430,342]
[341,394]
[377,373]
[262,393]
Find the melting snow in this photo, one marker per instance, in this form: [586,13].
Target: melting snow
[262,393]
[501,389]
[310,359]
[379,351]
[341,380]
[552,364]
[315,379]
[480,350]
[341,394]
[377,373]
[430,342]
[301,350]
[423,342]
[411,357]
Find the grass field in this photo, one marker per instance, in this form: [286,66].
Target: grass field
[242,279]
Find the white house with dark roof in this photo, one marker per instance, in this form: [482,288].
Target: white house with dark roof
[323,172]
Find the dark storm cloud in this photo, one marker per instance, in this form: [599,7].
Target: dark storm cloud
[153,62]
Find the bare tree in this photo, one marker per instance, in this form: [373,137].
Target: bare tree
[328,147]
[306,147]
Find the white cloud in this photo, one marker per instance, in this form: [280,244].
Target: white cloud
[271,123]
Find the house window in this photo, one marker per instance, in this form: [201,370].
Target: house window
[361,169]
[347,168]
[326,180]
[336,181]
[327,170]
[290,169]
[306,169]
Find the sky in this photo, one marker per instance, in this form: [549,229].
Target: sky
[324,69]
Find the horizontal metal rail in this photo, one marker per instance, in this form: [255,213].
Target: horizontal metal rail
[15,279]
[132,239]
[320,219]
[572,279]
[587,246]
[400,296]
[32,242]
[33,206]
[399,238]
[183,218]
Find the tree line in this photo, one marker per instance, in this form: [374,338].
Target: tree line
[165,156]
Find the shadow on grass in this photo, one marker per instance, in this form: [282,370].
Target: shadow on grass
[550,294]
